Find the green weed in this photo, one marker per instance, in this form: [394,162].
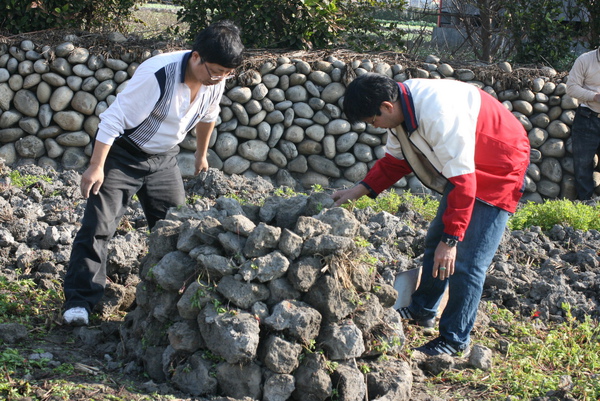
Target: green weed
[563,211]
[389,201]
[23,181]
[538,360]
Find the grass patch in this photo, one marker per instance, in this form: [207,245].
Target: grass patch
[390,201]
[554,360]
[23,181]
[23,302]
[563,211]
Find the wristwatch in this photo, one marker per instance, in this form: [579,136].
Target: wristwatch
[450,241]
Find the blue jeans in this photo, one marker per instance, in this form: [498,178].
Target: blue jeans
[473,257]
[157,182]
[585,133]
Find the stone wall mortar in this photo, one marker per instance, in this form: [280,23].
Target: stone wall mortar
[281,120]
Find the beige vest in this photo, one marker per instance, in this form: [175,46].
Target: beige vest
[418,161]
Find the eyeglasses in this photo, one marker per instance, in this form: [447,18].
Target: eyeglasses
[218,77]
[373,120]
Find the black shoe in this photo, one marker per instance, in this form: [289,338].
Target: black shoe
[439,346]
[406,314]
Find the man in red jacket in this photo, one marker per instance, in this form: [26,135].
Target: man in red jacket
[463,143]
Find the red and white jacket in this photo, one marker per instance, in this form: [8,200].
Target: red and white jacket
[469,137]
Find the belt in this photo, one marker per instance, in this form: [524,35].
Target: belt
[130,146]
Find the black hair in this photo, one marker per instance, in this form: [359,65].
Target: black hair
[220,43]
[365,94]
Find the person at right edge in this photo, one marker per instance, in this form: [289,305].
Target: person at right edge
[465,144]
[584,85]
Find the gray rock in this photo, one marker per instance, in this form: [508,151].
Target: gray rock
[31,81]
[184,336]
[342,340]
[337,127]
[553,147]
[390,380]
[281,356]
[558,129]
[61,66]
[278,388]
[481,357]
[296,319]
[262,240]
[331,299]
[8,153]
[30,147]
[61,98]
[10,118]
[265,268]
[74,82]
[64,49]
[254,150]
[84,103]
[194,376]
[235,165]
[12,333]
[69,120]
[290,244]
[79,55]
[104,89]
[233,337]
[313,382]
[226,145]
[240,381]
[246,132]
[172,271]
[551,169]
[26,102]
[349,382]
[341,221]
[44,92]
[324,166]
[115,64]
[30,125]
[11,134]
[240,94]
[242,294]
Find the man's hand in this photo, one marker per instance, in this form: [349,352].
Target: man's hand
[345,195]
[91,179]
[201,163]
[443,261]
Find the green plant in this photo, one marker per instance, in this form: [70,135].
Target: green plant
[331,366]
[300,24]
[23,302]
[562,211]
[317,188]
[537,360]
[390,201]
[364,368]
[24,181]
[18,16]
[286,192]
[538,30]
[236,197]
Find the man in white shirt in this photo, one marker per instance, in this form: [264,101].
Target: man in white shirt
[584,85]
[136,148]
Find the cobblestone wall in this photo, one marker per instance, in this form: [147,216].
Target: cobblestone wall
[281,118]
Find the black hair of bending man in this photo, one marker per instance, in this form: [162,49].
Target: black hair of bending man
[365,95]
